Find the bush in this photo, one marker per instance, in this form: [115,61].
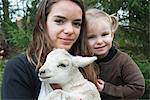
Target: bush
[16,37]
[19,38]
[144,66]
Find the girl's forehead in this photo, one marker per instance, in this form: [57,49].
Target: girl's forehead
[67,8]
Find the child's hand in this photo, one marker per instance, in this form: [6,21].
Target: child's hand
[100,84]
[55,86]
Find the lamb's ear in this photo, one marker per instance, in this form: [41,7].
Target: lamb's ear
[80,61]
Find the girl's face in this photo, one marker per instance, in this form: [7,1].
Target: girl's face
[100,36]
[64,24]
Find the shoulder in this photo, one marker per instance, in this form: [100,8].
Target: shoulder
[19,62]
[20,58]
[123,56]
[123,59]
[126,60]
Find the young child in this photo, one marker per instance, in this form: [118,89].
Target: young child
[119,76]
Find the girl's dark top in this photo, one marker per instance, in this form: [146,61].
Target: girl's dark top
[20,80]
[123,79]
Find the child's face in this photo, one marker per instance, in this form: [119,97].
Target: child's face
[100,36]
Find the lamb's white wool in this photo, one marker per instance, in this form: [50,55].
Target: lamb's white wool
[62,68]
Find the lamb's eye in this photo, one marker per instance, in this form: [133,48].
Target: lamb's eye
[61,65]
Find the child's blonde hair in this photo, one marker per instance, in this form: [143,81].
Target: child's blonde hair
[94,14]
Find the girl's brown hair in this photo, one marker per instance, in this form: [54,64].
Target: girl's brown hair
[41,43]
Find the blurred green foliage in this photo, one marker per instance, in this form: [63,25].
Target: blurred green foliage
[144,65]
[1,71]
[16,37]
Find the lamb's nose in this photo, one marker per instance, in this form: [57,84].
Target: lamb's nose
[42,72]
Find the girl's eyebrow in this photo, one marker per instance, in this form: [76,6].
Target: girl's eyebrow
[60,17]
[80,19]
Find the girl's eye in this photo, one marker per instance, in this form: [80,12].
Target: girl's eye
[77,24]
[59,21]
[61,65]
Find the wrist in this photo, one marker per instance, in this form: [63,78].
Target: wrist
[100,85]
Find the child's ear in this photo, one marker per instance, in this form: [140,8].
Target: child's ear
[114,23]
[113,34]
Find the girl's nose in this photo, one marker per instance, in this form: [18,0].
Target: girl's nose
[68,29]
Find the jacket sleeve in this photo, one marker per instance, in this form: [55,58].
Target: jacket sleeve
[134,84]
[17,81]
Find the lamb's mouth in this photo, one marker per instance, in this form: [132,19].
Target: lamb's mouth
[44,77]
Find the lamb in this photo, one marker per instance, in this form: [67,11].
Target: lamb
[62,68]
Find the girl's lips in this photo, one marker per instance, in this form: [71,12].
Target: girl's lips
[67,40]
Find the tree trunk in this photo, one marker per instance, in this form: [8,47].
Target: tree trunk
[147,33]
[5,4]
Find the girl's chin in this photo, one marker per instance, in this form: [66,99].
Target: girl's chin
[66,47]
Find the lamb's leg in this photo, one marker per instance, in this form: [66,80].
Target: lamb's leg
[44,91]
[62,95]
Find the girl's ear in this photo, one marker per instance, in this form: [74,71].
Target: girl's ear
[114,23]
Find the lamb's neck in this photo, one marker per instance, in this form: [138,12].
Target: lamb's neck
[77,80]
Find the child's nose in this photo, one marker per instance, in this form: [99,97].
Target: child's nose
[99,40]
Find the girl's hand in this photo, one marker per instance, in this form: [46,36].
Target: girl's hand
[100,84]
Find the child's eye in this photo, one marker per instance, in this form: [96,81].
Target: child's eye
[59,21]
[77,24]
[90,37]
[105,34]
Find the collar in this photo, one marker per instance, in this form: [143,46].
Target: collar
[109,56]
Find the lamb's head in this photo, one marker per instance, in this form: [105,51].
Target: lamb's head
[60,66]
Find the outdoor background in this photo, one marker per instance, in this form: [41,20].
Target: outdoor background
[133,36]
